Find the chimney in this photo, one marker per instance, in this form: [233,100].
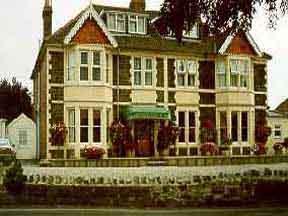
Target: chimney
[47,19]
[137,5]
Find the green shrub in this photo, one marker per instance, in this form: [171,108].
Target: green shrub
[14,180]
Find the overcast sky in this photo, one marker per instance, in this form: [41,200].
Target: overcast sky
[21,30]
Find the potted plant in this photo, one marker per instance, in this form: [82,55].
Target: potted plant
[167,136]
[58,134]
[117,130]
[94,152]
[208,136]
[224,147]
[278,147]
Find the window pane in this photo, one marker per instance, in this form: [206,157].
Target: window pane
[96,74]
[71,134]
[112,21]
[192,135]
[223,127]
[141,24]
[84,58]
[96,58]
[243,81]
[121,22]
[192,127]
[137,63]
[71,117]
[148,78]
[132,24]
[181,119]
[181,79]
[191,80]
[181,66]
[97,118]
[192,119]
[148,64]
[234,66]
[83,73]
[234,80]
[221,80]
[234,117]
[84,134]
[137,78]
[84,117]
[181,134]
[244,123]
[22,137]
[96,134]
[192,67]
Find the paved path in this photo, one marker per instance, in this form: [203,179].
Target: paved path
[136,212]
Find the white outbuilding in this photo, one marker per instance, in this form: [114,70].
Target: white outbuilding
[22,134]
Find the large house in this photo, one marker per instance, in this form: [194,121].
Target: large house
[111,63]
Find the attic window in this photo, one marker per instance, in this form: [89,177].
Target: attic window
[116,22]
[137,24]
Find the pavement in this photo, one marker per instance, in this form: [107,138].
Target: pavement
[142,212]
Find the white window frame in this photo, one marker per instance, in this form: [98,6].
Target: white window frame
[23,138]
[187,126]
[193,33]
[239,71]
[84,65]
[117,19]
[71,126]
[84,126]
[187,72]
[91,65]
[96,66]
[96,126]
[277,128]
[221,71]
[143,70]
[136,20]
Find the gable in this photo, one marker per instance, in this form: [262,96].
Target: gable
[89,33]
[283,107]
[240,45]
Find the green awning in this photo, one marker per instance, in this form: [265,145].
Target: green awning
[147,112]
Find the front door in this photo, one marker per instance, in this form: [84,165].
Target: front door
[144,138]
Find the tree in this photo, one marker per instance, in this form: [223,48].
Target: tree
[14,180]
[219,16]
[14,100]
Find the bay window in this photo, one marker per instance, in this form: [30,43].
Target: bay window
[71,126]
[186,73]
[84,126]
[137,24]
[143,71]
[187,126]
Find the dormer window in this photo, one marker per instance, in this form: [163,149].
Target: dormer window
[116,22]
[137,24]
[193,33]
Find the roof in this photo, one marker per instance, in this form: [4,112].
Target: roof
[283,107]
[150,42]
[276,114]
